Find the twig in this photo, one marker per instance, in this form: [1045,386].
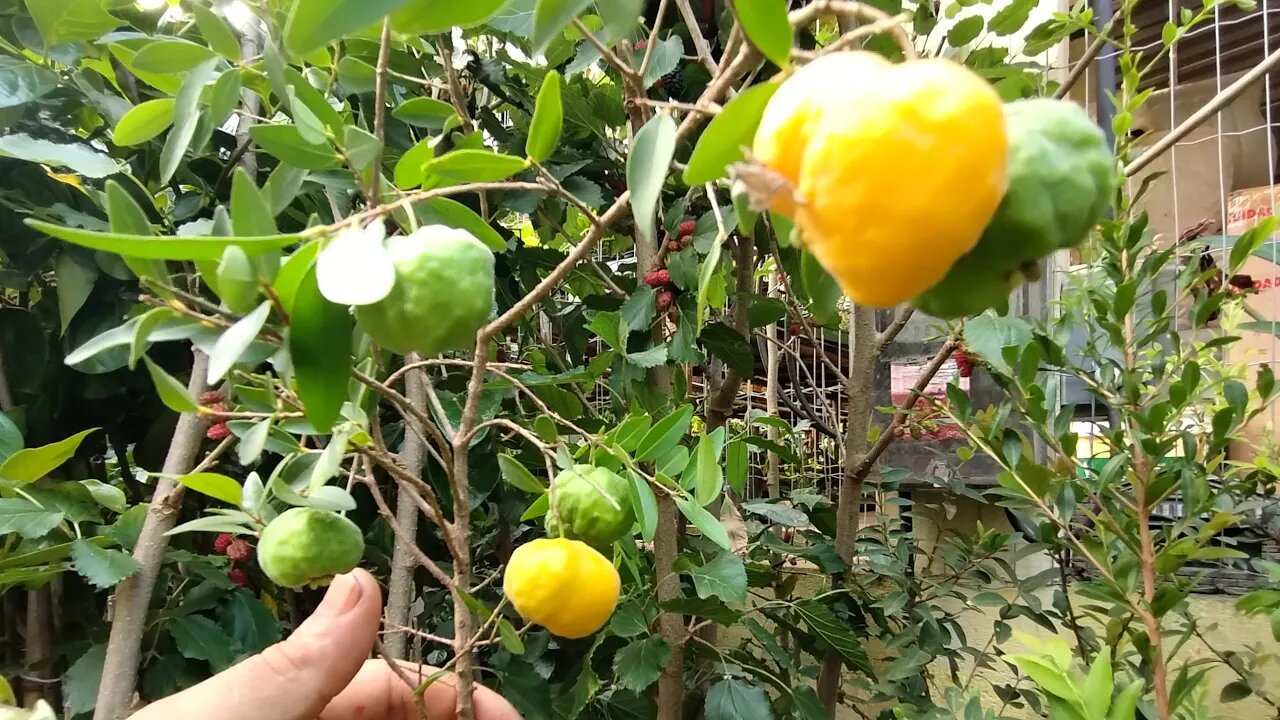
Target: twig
[699,42]
[627,72]
[901,317]
[818,8]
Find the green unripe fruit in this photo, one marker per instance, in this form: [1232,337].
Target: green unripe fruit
[592,504]
[443,293]
[1061,171]
[308,546]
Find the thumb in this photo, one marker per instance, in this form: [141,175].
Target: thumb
[294,679]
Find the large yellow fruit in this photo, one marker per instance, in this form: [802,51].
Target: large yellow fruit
[563,585]
[895,169]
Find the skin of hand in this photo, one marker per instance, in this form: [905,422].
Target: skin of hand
[322,672]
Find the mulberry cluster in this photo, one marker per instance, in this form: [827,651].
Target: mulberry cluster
[213,404]
[237,550]
[660,279]
[963,362]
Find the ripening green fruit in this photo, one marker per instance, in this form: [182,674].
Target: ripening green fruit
[592,504]
[308,546]
[443,293]
[1061,171]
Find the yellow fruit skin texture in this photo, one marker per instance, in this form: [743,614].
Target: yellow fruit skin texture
[563,585]
[897,168]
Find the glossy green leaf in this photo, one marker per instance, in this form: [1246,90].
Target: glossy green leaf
[22,81]
[424,112]
[361,146]
[317,327]
[29,465]
[293,272]
[724,577]
[450,212]
[312,24]
[665,434]
[965,31]
[62,21]
[548,120]
[728,134]
[216,31]
[517,476]
[75,277]
[158,248]
[78,157]
[186,115]
[21,516]
[171,54]
[734,699]
[287,143]
[427,17]
[409,168]
[143,329]
[172,393]
[709,479]
[766,25]
[552,16]
[647,162]
[735,466]
[143,122]
[103,568]
[234,341]
[237,280]
[646,506]
[705,522]
[475,166]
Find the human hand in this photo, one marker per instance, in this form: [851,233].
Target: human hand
[321,672]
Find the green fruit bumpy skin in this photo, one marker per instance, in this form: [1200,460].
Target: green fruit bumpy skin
[443,293]
[582,511]
[307,546]
[1061,171]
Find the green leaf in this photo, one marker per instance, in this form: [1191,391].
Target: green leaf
[706,522]
[780,514]
[835,633]
[251,215]
[318,327]
[989,334]
[10,437]
[81,159]
[428,17]
[550,17]
[144,121]
[965,31]
[172,393]
[199,638]
[710,475]
[171,55]
[724,577]
[517,476]
[766,25]
[186,114]
[665,58]
[728,134]
[22,81]
[313,24]
[450,212]
[234,341]
[733,699]
[474,166]
[287,143]
[647,163]
[424,112]
[62,21]
[216,32]
[29,465]
[108,496]
[652,357]
[1125,705]
[101,567]
[639,664]
[1051,679]
[823,290]
[19,515]
[252,625]
[646,506]
[215,485]
[730,346]
[665,434]
[1098,685]
[537,508]
[356,76]
[735,466]
[75,280]
[161,248]
[548,120]
[409,168]
[81,681]
[237,280]
[1011,18]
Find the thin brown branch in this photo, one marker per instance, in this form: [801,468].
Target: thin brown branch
[901,317]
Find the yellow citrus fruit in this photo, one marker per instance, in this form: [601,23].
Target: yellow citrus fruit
[563,585]
[895,168]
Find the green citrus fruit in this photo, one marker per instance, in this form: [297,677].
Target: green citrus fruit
[443,293]
[592,504]
[308,546]
[1060,173]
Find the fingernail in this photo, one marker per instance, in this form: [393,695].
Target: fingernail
[344,594]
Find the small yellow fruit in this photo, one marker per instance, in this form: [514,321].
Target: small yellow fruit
[563,585]
[895,169]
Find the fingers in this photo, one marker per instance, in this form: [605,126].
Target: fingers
[378,692]
[294,679]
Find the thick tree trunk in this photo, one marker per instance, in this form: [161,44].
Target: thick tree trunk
[863,352]
[133,596]
[413,454]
